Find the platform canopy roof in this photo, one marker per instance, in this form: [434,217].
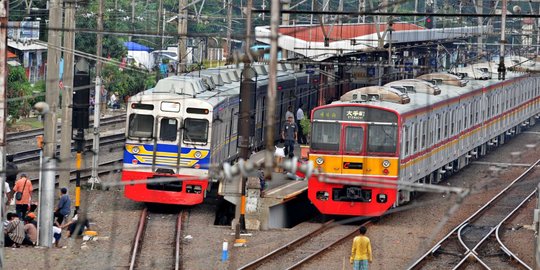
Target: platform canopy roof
[309,40]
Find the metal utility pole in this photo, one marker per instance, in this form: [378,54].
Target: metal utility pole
[182,32]
[161,19]
[229,28]
[99,53]
[272,87]
[94,179]
[4,6]
[49,124]
[67,96]
[502,69]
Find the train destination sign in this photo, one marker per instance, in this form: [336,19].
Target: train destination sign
[355,113]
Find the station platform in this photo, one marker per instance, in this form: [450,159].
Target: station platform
[266,210]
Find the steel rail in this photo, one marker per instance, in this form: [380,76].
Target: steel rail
[178,242]
[474,216]
[29,155]
[320,251]
[139,237]
[30,134]
[282,249]
[498,236]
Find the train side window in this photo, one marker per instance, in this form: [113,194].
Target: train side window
[424,133]
[140,126]
[453,123]
[168,129]
[195,130]
[446,121]
[439,127]
[407,138]
[415,138]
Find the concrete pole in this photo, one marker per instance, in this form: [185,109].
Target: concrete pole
[502,69]
[163,29]
[4,7]
[229,28]
[272,87]
[99,53]
[46,207]
[132,18]
[285,21]
[49,134]
[95,146]
[67,97]
[479,11]
[182,32]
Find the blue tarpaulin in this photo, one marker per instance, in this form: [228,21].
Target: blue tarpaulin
[133,46]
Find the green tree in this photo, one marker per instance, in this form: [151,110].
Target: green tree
[21,94]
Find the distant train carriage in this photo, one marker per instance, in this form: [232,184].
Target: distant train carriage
[185,124]
[411,131]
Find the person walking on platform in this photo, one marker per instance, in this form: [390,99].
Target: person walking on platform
[23,191]
[289,113]
[289,134]
[361,251]
[299,116]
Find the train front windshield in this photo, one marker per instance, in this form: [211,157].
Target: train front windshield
[354,131]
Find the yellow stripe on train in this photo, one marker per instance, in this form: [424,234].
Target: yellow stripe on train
[365,165]
[142,151]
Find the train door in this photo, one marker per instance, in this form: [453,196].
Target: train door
[354,141]
[169,142]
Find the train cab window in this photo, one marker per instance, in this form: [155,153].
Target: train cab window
[382,139]
[325,136]
[354,139]
[195,130]
[140,126]
[168,129]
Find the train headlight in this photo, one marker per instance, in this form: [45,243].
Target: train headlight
[198,154]
[386,163]
[322,195]
[381,198]
[135,150]
[319,161]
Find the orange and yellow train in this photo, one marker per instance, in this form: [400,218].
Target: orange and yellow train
[376,140]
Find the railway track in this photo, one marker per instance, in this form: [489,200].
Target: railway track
[31,134]
[110,166]
[298,252]
[30,155]
[476,241]
[163,231]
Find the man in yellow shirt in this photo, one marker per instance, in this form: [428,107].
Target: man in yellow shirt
[361,251]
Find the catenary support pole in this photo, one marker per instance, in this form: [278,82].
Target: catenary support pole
[94,179]
[246,89]
[502,69]
[285,20]
[229,29]
[4,5]
[67,96]
[182,32]
[99,53]
[272,87]
[49,125]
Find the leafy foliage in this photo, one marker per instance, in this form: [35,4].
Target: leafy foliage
[21,94]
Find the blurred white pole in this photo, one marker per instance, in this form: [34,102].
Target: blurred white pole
[95,146]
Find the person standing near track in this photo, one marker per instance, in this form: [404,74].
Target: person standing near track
[289,133]
[23,186]
[361,251]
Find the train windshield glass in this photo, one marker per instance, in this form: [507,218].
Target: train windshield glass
[382,139]
[354,139]
[141,126]
[168,130]
[325,136]
[195,130]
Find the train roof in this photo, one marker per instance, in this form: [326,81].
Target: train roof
[420,99]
